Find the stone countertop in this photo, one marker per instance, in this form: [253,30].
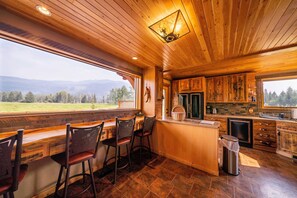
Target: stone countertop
[192,122]
[251,117]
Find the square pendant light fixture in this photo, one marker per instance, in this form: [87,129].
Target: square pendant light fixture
[171,27]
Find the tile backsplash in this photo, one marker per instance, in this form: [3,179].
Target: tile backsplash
[235,108]
[244,109]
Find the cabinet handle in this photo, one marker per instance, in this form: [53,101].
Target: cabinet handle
[266,136]
[263,129]
[267,143]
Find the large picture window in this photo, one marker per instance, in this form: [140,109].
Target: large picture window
[280,92]
[33,80]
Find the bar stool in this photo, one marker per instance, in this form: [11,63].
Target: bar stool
[146,131]
[123,136]
[11,172]
[81,145]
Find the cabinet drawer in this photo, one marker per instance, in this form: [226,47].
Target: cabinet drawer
[261,135]
[266,143]
[264,123]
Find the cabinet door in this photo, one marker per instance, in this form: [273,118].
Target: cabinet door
[236,88]
[184,85]
[219,89]
[196,84]
[210,97]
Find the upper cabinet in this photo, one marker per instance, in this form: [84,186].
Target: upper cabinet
[216,89]
[191,85]
[231,88]
[184,85]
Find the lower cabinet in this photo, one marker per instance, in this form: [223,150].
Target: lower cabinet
[264,133]
[223,130]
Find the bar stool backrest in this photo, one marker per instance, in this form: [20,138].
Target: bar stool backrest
[82,139]
[148,124]
[8,167]
[124,128]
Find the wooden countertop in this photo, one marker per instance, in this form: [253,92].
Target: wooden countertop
[44,142]
[190,122]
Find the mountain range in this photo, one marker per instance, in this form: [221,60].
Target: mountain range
[99,87]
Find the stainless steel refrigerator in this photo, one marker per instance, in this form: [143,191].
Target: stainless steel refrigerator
[193,104]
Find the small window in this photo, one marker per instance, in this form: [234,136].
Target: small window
[32,80]
[280,93]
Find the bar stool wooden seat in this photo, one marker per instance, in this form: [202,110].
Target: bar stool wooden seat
[11,172]
[123,136]
[146,131]
[81,145]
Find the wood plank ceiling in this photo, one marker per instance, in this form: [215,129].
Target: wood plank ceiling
[224,34]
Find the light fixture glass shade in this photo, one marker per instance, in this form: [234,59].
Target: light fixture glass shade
[171,27]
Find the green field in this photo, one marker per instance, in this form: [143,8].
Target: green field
[7,107]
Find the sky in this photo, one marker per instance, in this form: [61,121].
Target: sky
[21,61]
[279,86]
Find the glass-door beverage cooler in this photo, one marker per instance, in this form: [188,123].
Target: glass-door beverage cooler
[193,104]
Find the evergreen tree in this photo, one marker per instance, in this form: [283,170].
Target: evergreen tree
[4,97]
[29,98]
[11,97]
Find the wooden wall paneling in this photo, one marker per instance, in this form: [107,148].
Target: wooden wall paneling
[250,23]
[275,18]
[262,8]
[196,27]
[269,12]
[242,19]
[285,24]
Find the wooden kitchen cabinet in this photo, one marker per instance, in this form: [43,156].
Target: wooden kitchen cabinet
[222,120]
[191,85]
[264,135]
[237,88]
[215,91]
[231,88]
[197,84]
[184,85]
[210,90]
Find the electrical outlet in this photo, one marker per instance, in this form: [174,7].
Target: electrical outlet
[295,158]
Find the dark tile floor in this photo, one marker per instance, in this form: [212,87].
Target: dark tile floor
[262,175]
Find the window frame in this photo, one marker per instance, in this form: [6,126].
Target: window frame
[138,81]
[261,91]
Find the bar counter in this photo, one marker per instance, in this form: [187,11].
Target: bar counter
[189,142]
[45,142]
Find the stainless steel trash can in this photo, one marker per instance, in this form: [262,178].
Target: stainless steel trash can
[230,156]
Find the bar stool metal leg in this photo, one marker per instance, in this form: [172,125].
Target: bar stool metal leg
[129,157]
[140,157]
[84,172]
[149,145]
[66,182]
[59,180]
[104,163]
[92,178]
[115,165]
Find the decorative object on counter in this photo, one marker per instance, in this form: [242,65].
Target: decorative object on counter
[294,113]
[214,111]
[178,113]
[147,94]
[208,109]
[281,115]
[139,114]
[251,110]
